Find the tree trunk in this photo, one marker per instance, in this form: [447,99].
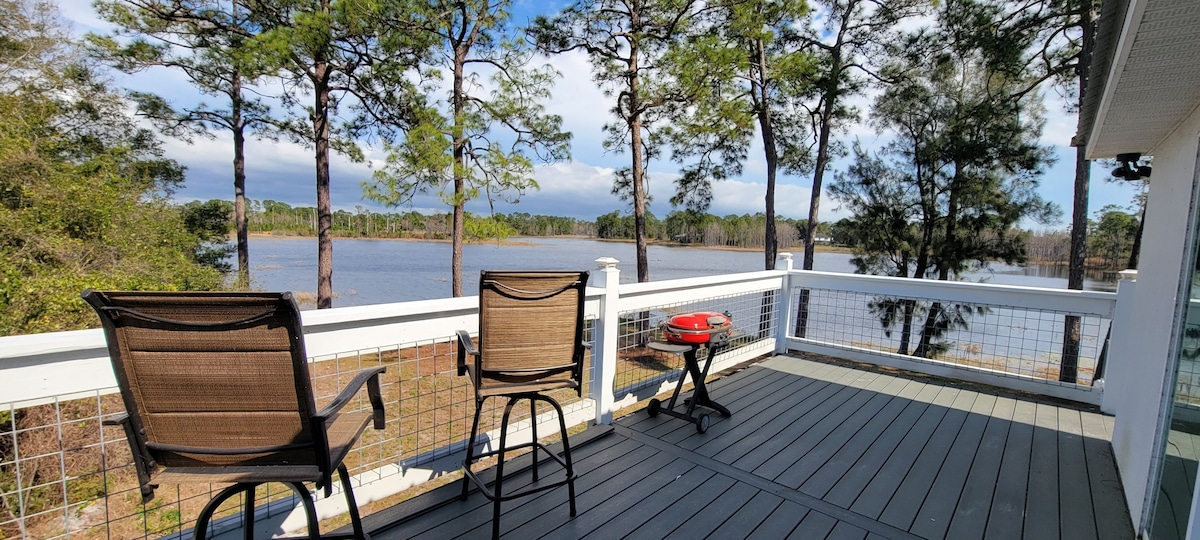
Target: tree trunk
[324,206]
[459,142]
[239,186]
[949,245]
[1136,250]
[814,199]
[637,171]
[771,154]
[1069,370]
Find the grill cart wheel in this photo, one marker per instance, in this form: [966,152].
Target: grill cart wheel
[653,407]
[702,423]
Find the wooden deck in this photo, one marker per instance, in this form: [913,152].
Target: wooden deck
[815,451]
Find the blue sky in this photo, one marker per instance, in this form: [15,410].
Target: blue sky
[579,188]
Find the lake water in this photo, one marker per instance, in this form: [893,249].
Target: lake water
[383,271]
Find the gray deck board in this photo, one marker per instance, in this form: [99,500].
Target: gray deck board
[1075,505]
[612,499]
[671,493]
[857,477]
[840,449]
[535,518]
[715,514]
[845,531]
[1007,517]
[748,517]
[874,498]
[671,517]
[832,437]
[770,459]
[762,425]
[814,525]
[780,523]
[1108,498]
[975,503]
[1041,506]
[909,497]
[732,388]
[812,451]
[940,503]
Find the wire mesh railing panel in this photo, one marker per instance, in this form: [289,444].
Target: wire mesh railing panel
[1187,382]
[65,475]
[1007,339]
[639,366]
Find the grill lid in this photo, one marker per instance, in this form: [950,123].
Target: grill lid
[698,327]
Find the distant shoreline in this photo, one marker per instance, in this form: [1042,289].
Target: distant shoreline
[516,241]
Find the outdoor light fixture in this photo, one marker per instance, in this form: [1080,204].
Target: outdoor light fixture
[1129,168]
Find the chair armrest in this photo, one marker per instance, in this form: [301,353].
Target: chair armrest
[465,347]
[143,463]
[370,377]
[118,419]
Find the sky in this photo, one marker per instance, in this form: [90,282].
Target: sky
[579,188]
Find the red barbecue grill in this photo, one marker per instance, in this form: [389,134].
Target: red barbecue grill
[685,334]
[698,327]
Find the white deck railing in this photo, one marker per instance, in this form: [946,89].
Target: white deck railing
[62,474]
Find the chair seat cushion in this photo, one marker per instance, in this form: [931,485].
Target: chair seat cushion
[493,387]
[343,431]
[243,474]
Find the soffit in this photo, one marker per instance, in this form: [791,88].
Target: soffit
[1153,81]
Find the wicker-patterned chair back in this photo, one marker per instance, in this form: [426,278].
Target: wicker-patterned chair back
[530,331]
[215,372]
[216,389]
[530,341]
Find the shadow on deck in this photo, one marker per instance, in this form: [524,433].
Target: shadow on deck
[815,450]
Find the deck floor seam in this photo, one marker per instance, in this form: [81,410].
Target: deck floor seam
[813,503]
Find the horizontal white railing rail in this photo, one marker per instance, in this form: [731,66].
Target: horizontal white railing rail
[1011,337]
[416,341]
[1100,304]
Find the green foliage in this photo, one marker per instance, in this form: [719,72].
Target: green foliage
[962,170]
[483,228]
[210,222]
[479,143]
[204,41]
[82,202]
[1111,235]
[629,44]
[741,72]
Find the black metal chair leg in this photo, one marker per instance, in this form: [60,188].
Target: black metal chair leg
[248,515]
[310,509]
[499,489]
[200,532]
[355,519]
[534,448]
[466,481]
[562,429]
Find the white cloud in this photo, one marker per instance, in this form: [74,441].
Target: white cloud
[283,171]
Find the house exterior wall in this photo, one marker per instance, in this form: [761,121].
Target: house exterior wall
[1141,378]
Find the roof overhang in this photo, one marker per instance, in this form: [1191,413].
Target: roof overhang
[1145,75]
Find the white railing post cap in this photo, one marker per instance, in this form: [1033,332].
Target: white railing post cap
[786,255]
[1128,275]
[606,262]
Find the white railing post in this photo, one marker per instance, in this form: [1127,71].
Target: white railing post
[606,330]
[783,311]
[1121,346]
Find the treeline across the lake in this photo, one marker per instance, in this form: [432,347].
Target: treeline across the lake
[742,231]
[1112,241]
[280,218]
